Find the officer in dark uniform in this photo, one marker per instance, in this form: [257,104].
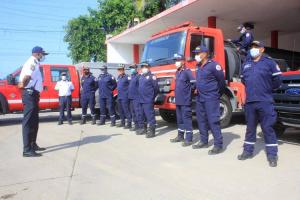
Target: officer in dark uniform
[107,84]
[148,90]
[123,101]
[260,75]
[88,89]
[183,97]
[245,39]
[210,84]
[32,84]
[133,96]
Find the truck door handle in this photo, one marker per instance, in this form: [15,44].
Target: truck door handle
[45,88]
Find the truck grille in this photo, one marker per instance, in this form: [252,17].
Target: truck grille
[164,84]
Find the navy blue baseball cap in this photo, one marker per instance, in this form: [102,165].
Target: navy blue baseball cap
[258,44]
[201,49]
[38,49]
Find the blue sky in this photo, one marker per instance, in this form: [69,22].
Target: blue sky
[27,23]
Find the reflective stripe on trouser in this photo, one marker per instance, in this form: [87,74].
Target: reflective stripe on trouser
[104,103]
[148,113]
[135,110]
[208,117]
[124,110]
[184,121]
[264,113]
[65,103]
[30,121]
[88,100]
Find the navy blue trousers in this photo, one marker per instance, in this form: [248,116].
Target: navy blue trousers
[135,110]
[30,122]
[124,110]
[88,100]
[65,103]
[184,122]
[208,117]
[107,103]
[264,113]
[148,114]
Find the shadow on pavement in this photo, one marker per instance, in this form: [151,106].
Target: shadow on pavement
[83,141]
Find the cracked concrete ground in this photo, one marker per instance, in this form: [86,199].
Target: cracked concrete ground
[93,162]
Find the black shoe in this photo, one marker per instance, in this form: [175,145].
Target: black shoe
[128,126]
[31,154]
[100,123]
[272,162]
[141,131]
[186,143]
[134,128]
[151,133]
[60,123]
[83,121]
[200,145]
[37,148]
[113,124]
[70,122]
[177,139]
[121,125]
[245,156]
[93,120]
[215,150]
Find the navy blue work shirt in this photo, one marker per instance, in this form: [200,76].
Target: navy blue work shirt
[88,84]
[133,86]
[148,88]
[210,81]
[260,79]
[123,84]
[107,83]
[185,83]
[245,40]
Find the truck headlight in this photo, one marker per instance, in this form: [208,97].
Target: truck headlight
[171,99]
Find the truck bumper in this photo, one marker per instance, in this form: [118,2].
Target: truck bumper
[288,115]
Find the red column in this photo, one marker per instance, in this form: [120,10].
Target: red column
[136,53]
[274,39]
[212,22]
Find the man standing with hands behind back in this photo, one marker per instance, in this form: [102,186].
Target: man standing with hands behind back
[31,83]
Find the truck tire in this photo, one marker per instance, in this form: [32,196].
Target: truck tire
[3,105]
[168,115]
[279,129]
[225,111]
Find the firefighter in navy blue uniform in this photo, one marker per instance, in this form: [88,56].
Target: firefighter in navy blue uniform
[133,96]
[261,76]
[107,84]
[148,90]
[31,83]
[245,39]
[210,84]
[88,89]
[123,101]
[183,98]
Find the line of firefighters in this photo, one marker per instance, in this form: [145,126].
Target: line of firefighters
[137,92]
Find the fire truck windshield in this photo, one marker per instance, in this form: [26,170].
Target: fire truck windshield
[162,50]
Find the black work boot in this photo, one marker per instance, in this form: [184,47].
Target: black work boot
[60,122]
[36,147]
[70,122]
[245,156]
[141,131]
[200,145]
[83,120]
[113,121]
[121,125]
[179,138]
[215,150]
[151,132]
[101,121]
[272,161]
[93,120]
[134,128]
[128,125]
[187,143]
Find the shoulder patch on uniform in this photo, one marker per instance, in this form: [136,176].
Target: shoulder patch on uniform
[247,34]
[147,77]
[218,67]
[129,78]
[154,77]
[112,78]
[278,68]
[247,66]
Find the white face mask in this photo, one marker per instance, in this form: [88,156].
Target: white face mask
[243,30]
[63,78]
[145,70]
[42,59]
[178,64]
[254,52]
[198,58]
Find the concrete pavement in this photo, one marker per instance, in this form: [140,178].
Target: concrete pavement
[93,162]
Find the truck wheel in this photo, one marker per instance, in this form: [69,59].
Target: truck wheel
[3,105]
[279,129]
[225,111]
[167,115]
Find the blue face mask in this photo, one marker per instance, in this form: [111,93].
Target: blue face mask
[254,52]
[133,71]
